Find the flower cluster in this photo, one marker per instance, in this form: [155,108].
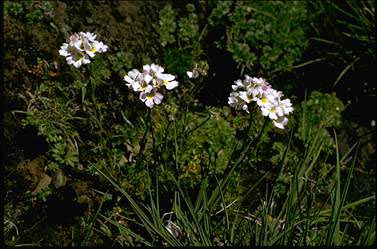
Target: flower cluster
[268,99]
[81,47]
[149,83]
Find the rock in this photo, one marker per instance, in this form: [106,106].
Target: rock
[43,183]
[59,180]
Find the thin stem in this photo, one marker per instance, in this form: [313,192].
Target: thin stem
[151,128]
[255,141]
[143,140]
[175,146]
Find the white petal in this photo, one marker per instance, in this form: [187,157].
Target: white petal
[147,78]
[280,122]
[279,111]
[104,48]
[273,116]
[63,52]
[77,44]
[143,96]
[69,60]
[231,100]
[172,84]
[149,103]
[245,108]
[88,35]
[158,98]
[100,47]
[135,86]
[189,74]
[245,97]
[85,60]
[133,73]
[278,125]
[91,54]
[146,68]
[77,63]
[86,44]
[168,77]
[148,89]
[265,111]
[156,68]
[128,79]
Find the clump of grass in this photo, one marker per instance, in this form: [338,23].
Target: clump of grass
[300,218]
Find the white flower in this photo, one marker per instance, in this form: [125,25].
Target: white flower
[238,85]
[131,77]
[89,36]
[194,74]
[236,102]
[75,41]
[233,99]
[101,47]
[151,98]
[259,81]
[146,68]
[73,56]
[286,105]
[149,82]
[280,122]
[80,47]
[267,99]
[78,59]
[156,69]
[272,111]
[246,96]
[168,80]
[142,85]
[92,49]
[64,49]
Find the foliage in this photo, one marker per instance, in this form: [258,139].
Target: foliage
[181,35]
[323,111]
[294,221]
[342,41]
[263,37]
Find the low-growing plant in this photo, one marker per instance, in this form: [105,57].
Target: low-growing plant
[182,39]
[138,159]
[263,37]
[324,111]
[297,218]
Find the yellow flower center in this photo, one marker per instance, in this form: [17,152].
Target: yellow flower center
[264,100]
[150,95]
[143,86]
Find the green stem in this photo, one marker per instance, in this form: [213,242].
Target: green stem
[175,147]
[232,166]
[143,141]
[151,128]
